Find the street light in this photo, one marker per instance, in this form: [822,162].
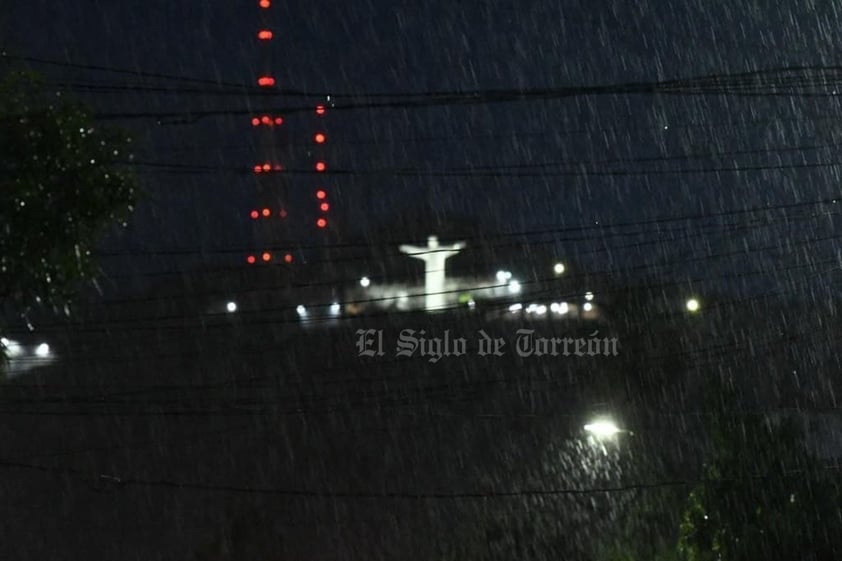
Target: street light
[558,268]
[602,429]
[692,305]
[365,282]
[231,307]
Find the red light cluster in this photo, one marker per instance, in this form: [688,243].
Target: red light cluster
[265,213]
[324,206]
[266,120]
[264,35]
[266,257]
[266,168]
[266,81]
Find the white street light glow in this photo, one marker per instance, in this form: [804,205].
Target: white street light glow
[231,307]
[603,428]
[514,287]
[365,282]
[587,307]
[42,350]
[558,268]
[692,305]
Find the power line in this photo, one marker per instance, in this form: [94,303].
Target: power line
[120,481]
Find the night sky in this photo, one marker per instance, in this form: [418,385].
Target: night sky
[531,147]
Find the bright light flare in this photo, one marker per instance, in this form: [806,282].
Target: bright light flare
[602,428]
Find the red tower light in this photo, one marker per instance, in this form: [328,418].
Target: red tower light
[267,167]
[266,256]
[321,194]
[279,120]
[264,35]
[255,121]
[265,4]
[288,258]
[266,212]
[320,166]
[319,138]
[321,222]
[254,214]
[320,110]
[283,213]
[266,81]
[324,207]
[251,259]
[266,120]
[258,168]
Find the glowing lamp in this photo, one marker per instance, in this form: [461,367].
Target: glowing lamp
[266,120]
[319,138]
[267,167]
[258,168]
[283,213]
[255,121]
[324,207]
[266,212]
[266,256]
[288,258]
[251,259]
[254,215]
[320,194]
[265,4]
[320,166]
[264,35]
[266,81]
[321,222]
[279,121]
[320,110]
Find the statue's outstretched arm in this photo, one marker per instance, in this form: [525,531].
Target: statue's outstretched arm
[412,249]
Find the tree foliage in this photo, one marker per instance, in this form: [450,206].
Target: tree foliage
[62,187]
[764,496]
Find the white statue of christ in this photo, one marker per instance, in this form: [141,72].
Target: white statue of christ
[434,256]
